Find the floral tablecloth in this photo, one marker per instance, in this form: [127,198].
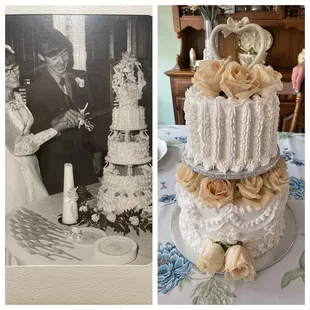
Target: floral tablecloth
[180,282]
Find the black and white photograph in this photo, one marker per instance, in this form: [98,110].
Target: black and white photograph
[78,139]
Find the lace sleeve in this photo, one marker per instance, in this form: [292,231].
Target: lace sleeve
[30,143]
[21,145]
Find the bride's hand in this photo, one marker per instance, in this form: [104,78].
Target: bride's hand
[66,120]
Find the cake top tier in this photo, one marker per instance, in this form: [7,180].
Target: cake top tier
[128,80]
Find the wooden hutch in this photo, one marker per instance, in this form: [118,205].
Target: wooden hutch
[288,41]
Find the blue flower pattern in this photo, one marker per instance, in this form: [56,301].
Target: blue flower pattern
[173,267]
[182,139]
[289,157]
[167,198]
[297,188]
[297,162]
[163,185]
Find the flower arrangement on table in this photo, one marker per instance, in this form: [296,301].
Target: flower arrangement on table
[214,77]
[133,219]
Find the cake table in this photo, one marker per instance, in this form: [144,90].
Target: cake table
[49,208]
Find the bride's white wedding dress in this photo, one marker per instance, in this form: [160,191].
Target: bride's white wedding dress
[22,172]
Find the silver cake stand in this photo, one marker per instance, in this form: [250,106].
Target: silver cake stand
[216,174]
[262,262]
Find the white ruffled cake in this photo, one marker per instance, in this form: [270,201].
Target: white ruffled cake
[250,211]
[232,115]
[127,177]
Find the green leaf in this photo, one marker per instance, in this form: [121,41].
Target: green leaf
[212,292]
[194,301]
[302,260]
[291,275]
[180,285]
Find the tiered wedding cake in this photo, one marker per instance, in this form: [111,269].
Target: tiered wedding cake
[235,206]
[127,177]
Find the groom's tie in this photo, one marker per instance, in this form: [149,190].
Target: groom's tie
[64,90]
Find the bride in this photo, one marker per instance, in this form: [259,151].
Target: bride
[23,178]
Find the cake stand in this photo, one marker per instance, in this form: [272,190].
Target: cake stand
[262,262]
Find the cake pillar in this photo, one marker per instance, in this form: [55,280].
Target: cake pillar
[69,207]
[127,136]
[130,170]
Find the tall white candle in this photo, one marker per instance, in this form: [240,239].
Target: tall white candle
[68,177]
[69,208]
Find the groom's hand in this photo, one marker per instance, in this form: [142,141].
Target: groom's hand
[68,119]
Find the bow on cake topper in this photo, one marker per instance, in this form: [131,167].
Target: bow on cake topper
[235,24]
[128,79]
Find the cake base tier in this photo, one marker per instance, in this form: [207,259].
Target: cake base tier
[262,262]
[230,175]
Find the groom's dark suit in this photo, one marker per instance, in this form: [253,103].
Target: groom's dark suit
[46,100]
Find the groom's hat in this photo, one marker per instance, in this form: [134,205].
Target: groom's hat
[51,42]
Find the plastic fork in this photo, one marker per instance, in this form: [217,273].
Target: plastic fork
[32,252]
[32,213]
[59,251]
[46,254]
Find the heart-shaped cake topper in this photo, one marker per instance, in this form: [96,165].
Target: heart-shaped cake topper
[237,27]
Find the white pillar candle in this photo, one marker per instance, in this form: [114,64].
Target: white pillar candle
[69,209]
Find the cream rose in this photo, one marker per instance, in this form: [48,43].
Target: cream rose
[239,264]
[269,80]
[253,192]
[276,179]
[208,76]
[238,81]
[212,259]
[188,178]
[216,192]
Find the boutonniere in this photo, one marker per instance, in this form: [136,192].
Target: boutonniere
[80,82]
[86,122]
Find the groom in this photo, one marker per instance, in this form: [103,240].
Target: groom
[61,91]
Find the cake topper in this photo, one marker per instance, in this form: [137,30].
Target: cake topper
[128,79]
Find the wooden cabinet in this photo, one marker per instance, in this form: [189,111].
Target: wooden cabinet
[288,41]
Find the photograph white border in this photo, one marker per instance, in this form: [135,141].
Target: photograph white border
[81,285]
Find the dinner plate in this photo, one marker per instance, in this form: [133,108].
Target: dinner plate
[162,149]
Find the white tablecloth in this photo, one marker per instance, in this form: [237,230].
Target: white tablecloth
[180,282]
[50,207]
